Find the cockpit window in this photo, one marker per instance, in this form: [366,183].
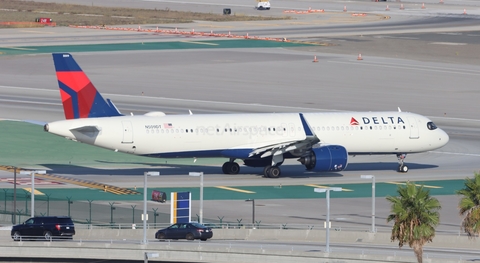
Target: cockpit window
[431,126]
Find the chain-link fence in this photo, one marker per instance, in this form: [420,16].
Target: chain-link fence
[16,210]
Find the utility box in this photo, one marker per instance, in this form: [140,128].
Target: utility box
[159,196]
[227,11]
[43,20]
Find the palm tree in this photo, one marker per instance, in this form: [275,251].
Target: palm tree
[415,214]
[470,206]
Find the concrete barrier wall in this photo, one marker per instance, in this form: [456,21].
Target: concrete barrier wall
[180,252]
[447,241]
[125,244]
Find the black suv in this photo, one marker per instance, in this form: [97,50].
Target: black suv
[44,226]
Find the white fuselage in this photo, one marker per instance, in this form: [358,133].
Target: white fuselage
[208,135]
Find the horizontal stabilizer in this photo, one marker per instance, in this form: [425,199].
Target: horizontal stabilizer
[87,129]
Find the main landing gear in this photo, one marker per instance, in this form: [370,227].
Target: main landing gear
[231,167]
[271,171]
[402,167]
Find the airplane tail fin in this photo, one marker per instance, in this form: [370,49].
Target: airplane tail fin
[79,97]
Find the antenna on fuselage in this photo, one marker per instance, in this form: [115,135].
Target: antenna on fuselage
[399,110]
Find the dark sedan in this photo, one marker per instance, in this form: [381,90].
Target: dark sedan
[189,231]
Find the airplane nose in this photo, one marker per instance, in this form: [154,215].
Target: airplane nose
[444,138]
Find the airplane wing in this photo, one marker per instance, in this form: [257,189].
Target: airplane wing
[277,148]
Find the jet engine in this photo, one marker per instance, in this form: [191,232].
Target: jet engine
[326,158]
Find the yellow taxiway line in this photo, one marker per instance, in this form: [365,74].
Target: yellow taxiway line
[235,189]
[426,186]
[36,191]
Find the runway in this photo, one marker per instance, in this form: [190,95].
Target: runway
[428,68]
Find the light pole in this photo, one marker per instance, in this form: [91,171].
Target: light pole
[144,215]
[32,195]
[327,190]
[373,198]
[201,192]
[253,211]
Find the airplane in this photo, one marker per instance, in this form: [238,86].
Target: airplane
[320,141]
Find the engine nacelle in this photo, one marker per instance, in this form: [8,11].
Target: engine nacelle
[326,158]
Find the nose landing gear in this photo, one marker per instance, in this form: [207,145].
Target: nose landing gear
[402,167]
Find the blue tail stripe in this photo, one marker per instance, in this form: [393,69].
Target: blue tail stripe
[74,96]
[65,62]
[101,109]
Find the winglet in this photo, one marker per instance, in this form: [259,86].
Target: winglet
[80,98]
[306,127]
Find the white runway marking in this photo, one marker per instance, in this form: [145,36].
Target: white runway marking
[462,154]
[448,43]
[412,67]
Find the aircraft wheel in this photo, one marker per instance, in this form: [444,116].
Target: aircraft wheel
[402,168]
[225,167]
[230,168]
[274,172]
[266,171]
[234,168]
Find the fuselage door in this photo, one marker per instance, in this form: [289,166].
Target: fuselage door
[127,132]
[413,128]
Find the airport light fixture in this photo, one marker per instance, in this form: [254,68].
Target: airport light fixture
[327,190]
[144,215]
[253,210]
[32,193]
[373,198]
[201,192]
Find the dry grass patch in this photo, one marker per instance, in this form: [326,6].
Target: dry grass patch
[84,15]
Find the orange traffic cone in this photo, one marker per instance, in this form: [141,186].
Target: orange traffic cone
[464,11]
[387,9]
[344,8]
[315,58]
[401,7]
[423,5]
[441,1]
[359,56]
